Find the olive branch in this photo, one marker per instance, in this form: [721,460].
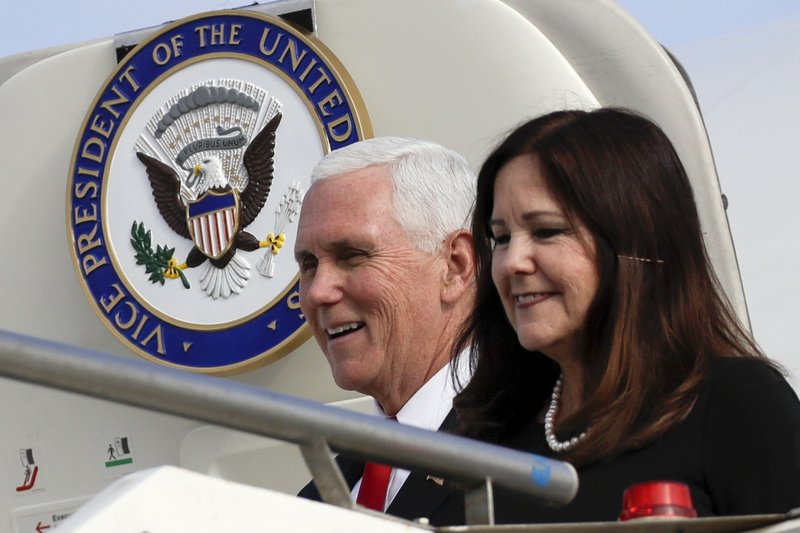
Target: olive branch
[157,263]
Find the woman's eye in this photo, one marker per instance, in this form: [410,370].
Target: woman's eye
[500,240]
[547,233]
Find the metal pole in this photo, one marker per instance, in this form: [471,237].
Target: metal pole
[247,408]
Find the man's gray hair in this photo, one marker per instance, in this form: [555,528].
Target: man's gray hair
[434,187]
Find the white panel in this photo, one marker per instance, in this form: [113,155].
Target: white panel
[459,72]
[171,499]
[69,437]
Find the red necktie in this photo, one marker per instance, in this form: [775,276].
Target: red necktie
[372,493]
[374,483]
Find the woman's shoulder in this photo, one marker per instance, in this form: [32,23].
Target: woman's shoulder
[747,381]
[750,437]
[742,370]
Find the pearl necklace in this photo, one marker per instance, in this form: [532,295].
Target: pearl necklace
[556,445]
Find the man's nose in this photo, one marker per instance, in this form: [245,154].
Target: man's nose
[323,288]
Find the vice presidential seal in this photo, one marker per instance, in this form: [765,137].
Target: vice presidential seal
[187,177]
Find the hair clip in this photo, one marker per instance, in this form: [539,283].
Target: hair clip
[641,259]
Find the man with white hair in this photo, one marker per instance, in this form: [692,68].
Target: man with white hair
[386,281]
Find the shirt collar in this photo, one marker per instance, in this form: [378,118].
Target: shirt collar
[429,406]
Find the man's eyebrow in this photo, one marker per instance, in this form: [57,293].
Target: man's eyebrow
[347,244]
[299,255]
[332,245]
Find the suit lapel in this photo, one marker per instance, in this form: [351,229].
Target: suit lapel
[421,495]
[352,469]
[450,422]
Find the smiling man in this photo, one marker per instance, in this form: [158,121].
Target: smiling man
[386,281]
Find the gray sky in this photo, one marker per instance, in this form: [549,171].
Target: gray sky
[738,55]
[681,22]
[44,23]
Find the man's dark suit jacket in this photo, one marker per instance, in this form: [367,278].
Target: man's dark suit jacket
[442,505]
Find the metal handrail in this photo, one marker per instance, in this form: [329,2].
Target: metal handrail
[307,423]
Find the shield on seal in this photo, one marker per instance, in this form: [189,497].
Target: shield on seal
[214,222]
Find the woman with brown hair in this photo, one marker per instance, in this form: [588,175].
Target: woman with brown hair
[601,335]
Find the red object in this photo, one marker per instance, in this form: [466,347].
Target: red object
[372,493]
[652,499]
[31,482]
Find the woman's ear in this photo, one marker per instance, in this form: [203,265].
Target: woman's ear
[459,256]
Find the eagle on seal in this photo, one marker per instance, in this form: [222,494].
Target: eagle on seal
[216,218]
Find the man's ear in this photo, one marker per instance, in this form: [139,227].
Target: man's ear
[459,256]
